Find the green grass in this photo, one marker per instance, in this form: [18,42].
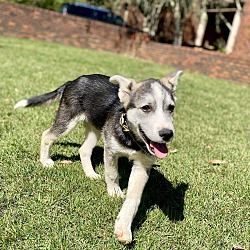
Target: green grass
[188,202]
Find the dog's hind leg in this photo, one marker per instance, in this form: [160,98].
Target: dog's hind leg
[62,126]
[48,137]
[92,137]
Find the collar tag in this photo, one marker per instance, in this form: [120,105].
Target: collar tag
[123,123]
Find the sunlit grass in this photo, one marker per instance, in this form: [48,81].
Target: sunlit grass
[188,202]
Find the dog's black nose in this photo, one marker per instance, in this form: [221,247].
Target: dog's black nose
[166,134]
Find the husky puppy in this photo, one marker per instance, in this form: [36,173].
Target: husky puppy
[135,120]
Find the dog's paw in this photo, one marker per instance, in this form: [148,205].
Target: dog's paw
[93,175]
[47,162]
[124,236]
[116,191]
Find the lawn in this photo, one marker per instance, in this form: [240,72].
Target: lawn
[188,203]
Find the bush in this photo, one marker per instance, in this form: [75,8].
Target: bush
[57,4]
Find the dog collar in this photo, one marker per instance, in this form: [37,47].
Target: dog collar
[125,128]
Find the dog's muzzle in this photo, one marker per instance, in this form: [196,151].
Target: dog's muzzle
[160,150]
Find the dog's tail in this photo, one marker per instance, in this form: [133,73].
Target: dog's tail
[41,99]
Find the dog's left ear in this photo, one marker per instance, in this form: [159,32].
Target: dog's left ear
[171,80]
[126,87]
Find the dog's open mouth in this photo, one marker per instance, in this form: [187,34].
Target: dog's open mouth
[158,149]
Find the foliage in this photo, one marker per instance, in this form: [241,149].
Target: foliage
[46,4]
[151,9]
[191,200]
[57,4]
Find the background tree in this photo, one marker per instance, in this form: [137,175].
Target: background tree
[152,10]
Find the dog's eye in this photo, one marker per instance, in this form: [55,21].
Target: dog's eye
[146,108]
[171,108]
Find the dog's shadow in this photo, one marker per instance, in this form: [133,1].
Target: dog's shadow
[96,157]
[159,192]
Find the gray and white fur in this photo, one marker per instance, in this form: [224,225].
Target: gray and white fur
[134,119]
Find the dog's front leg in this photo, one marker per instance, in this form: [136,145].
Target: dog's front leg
[138,178]
[111,173]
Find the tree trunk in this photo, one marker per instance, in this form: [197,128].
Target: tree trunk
[177,25]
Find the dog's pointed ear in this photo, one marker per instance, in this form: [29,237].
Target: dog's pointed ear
[126,87]
[171,80]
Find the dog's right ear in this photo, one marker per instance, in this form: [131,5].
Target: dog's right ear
[171,80]
[126,87]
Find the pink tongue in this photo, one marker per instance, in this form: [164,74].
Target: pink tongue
[159,149]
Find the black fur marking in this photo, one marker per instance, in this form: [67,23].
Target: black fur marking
[95,104]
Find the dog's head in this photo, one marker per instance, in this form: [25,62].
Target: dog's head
[150,107]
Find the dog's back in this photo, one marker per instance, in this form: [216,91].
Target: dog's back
[92,95]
